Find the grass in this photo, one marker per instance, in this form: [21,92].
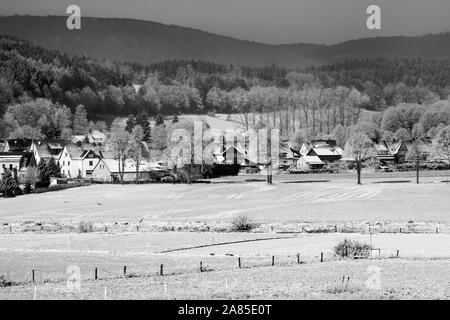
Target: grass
[400,279]
[337,200]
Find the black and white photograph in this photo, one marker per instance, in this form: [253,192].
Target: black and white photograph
[201,151]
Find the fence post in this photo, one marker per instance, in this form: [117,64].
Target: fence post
[273,261]
[321,257]
[124,270]
[201,266]
[161,270]
[32,275]
[398,253]
[239,262]
[95,274]
[437,230]
[298,258]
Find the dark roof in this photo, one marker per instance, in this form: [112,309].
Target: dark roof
[19,144]
[27,160]
[12,153]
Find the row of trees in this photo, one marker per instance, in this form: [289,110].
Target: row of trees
[360,147]
[43,119]
[128,145]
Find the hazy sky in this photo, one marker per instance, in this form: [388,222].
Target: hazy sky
[271,21]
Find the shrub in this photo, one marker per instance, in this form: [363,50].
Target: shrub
[352,249]
[242,223]
[85,227]
[4,282]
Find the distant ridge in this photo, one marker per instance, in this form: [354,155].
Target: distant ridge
[148,42]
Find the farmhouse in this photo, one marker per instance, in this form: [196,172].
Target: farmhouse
[96,137]
[16,161]
[107,170]
[78,161]
[235,154]
[46,149]
[307,163]
[390,151]
[17,145]
[326,150]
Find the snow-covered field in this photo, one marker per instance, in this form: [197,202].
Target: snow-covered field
[286,203]
[328,201]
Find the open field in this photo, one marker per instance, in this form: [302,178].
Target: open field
[398,279]
[318,201]
[126,218]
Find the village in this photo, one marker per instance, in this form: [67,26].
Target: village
[87,158]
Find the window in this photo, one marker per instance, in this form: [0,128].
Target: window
[68,163]
[91,163]
[10,166]
[63,163]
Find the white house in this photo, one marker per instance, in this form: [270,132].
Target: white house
[78,161]
[10,161]
[16,162]
[96,137]
[46,149]
[107,170]
[309,163]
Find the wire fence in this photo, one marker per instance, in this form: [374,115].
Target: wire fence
[179,265]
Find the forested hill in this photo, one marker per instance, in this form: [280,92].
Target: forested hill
[430,46]
[146,42]
[191,86]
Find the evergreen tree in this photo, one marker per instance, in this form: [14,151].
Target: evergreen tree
[159,120]
[131,123]
[44,180]
[142,120]
[175,119]
[53,169]
[8,184]
[80,121]
[50,131]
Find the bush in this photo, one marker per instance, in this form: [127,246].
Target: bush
[352,249]
[242,223]
[85,227]
[167,179]
[4,282]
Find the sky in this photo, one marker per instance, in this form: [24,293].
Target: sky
[268,21]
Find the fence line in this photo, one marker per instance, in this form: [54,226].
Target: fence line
[246,262]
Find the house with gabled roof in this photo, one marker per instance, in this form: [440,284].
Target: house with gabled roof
[390,151]
[325,150]
[107,170]
[307,163]
[16,161]
[96,137]
[47,149]
[79,160]
[17,145]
